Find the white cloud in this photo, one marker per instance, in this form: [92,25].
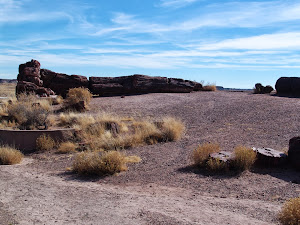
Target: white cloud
[175,3]
[287,41]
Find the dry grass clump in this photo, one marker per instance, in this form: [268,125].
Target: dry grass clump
[77,95]
[67,147]
[216,165]
[97,163]
[209,88]
[290,213]
[244,158]
[110,132]
[29,112]
[200,155]
[45,143]
[9,156]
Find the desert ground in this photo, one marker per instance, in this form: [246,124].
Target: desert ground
[164,188]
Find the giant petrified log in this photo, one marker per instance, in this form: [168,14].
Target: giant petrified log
[288,86]
[139,84]
[294,152]
[60,83]
[267,157]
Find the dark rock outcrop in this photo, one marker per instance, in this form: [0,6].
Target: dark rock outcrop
[46,82]
[60,83]
[140,84]
[260,89]
[294,152]
[288,86]
[29,80]
[267,157]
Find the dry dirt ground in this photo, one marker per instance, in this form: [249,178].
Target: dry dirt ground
[164,188]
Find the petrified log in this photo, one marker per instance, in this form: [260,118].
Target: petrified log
[294,152]
[28,88]
[60,83]
[260,89]
[140,84]
[267,157]
[288,86]
[222,156]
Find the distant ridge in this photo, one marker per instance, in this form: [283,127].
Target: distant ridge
[8,81]
[220,88]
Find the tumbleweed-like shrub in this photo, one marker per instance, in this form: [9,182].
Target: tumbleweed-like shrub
[45,143]
[209,88]
[67,147]
[77,95]
[290,212]
[200,155]
[101,163]
[9,156]
[244,158]
[216,165]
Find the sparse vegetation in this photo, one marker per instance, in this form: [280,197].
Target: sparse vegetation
[67,147]
[28,112]
[200,155]
[244,158]
[8,89]
[9,156]
[77,95]
[216,165]
[290,213]
[45,143]
[101,163]
[209,88]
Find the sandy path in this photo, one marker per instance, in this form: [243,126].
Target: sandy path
[43,198]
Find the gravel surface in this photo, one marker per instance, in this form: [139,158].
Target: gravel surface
[164,188]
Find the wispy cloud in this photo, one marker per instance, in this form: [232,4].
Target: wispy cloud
[175,3]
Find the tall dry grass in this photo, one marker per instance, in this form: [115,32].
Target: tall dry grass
[200,155]
[9,156]
[102,163]
[45,143]
[244,158]
[290,212]
[8,89]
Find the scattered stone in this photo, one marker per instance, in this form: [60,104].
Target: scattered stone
[222,156]
[267,157]
[294,152]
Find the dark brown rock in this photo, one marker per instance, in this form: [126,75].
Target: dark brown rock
[288,86]
[267,157]
[140,84]
[260,89]
[60,83]
[222,156]
[29,88]
[294,152]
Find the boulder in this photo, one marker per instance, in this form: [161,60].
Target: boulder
[29,88]
[60,83]
[267,157]
[222,156]
[294,152]
[288,86]
[260,89]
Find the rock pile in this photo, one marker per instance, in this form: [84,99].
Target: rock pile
[260,89]
[46,82]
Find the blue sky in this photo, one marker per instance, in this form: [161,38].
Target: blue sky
[229,43]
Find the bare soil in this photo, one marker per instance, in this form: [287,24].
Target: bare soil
[164,188]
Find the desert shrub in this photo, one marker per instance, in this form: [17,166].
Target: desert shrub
[58,100]
[209,88]
[77,95]
[290,213]
[100,163]
[172,129]
[244,158]
[9,156]
[45,143]
[216,165]
[29,112]
[67,147]
[200,155]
